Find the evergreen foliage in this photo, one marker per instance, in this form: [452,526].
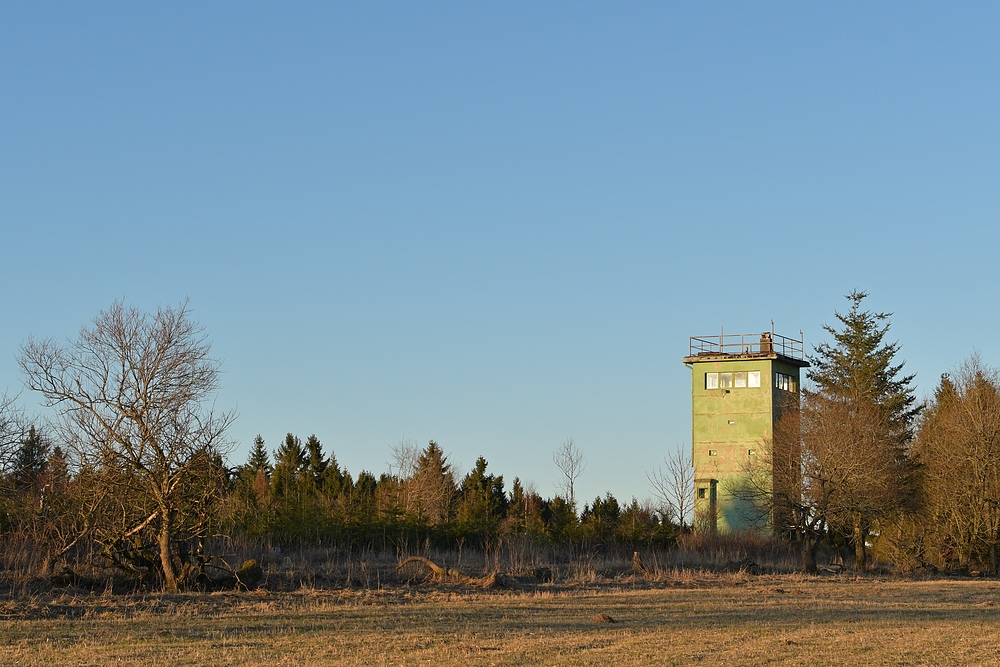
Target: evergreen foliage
[425,507]
[861,366]
[31,459]
[483,503]
[599,520]
[431,491]
[290,465]
[316,461]
[259,459]
[856,426]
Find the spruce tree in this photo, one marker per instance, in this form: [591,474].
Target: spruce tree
[316,461]
[861,366]
[433,486]
[259,459]
[599,521]
[290,463]
[516,504]
[31,459]
[488,488]
[483,502]
[858,421]
[57,468]
[335,480]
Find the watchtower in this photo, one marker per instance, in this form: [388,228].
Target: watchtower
[740,385]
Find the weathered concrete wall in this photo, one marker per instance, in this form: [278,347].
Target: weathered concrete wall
[730,427]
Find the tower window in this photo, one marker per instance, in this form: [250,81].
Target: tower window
[738,380]
[701,492]
[712,452]
[784,382]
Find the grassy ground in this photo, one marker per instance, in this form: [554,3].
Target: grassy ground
[712,619]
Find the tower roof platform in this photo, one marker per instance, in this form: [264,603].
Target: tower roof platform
[732,347]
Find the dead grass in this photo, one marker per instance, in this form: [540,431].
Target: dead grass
[731,618]
[331,567]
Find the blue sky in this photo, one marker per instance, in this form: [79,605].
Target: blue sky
[496,226]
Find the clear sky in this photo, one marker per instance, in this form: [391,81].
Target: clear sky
[496,225]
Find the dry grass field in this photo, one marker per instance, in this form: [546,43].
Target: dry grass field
[735,619]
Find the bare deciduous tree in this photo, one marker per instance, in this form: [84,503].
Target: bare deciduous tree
[13,428]
[829,472]
[673,486]
[571,463]
[130,394]
[404,459]
[959,450]
[12,432]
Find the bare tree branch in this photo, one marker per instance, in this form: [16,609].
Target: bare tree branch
[130,393]
[673,486]
[571,462]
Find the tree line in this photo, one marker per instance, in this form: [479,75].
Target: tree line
[132,473]
[305,497]
[860,464]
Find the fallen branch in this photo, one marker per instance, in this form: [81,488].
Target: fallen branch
[492,580]
[433,567]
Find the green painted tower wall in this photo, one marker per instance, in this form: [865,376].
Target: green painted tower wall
[731,427]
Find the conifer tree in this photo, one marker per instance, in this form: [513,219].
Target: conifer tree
[364,489]
[259,459]
[31,459]
[290,464]
[483,503]
[600,520]
[316,461]
[516,506]
[860,366]
[335,481]
[857,423]
[561,521]
[524,510]
[57,468]
[432,488]
[256,476]
[485,486]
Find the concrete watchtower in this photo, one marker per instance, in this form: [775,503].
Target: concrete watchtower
[740,384]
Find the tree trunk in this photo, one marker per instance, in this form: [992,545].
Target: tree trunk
[860,558]
[809,547]
[166,557]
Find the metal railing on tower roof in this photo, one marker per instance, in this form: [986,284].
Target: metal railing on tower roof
[748,344]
